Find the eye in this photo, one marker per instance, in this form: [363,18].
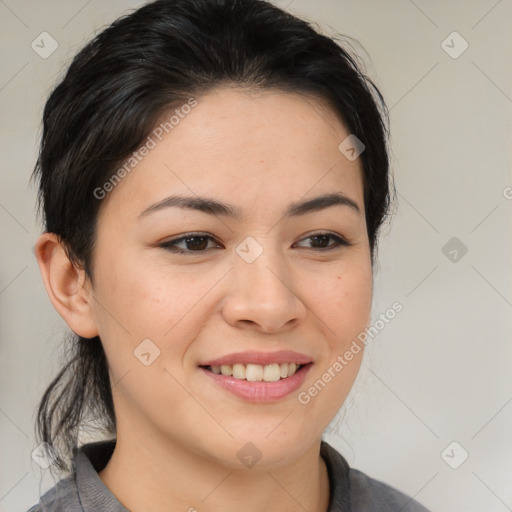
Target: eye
[193,242]
[198,242]
[320,241]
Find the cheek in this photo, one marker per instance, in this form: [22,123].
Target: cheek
[341,304]
[152,302]
[344,302]
[344,313]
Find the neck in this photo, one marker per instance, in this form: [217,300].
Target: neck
[143,475]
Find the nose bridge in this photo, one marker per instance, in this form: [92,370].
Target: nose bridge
[262,292]
[261,267]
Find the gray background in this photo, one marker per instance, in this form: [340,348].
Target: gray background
[441,370]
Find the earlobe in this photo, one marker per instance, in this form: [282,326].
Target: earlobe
[66,285]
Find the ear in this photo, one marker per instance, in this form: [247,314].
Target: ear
[67,286]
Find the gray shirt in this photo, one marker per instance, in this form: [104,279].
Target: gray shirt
[350,489]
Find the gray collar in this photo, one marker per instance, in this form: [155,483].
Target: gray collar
[94,495]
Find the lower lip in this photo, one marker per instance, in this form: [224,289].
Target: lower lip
[261,391]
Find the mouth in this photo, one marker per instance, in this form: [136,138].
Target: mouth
[256,372]
[258,377]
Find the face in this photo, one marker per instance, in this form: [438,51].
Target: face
[251,285]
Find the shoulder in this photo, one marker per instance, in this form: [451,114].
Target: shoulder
[370,494]
[354,491]
[82,489]
[62,497]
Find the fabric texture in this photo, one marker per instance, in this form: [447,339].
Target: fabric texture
[350,489]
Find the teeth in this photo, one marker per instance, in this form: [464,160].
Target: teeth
[257,372]
[271,372]
[226,370]
[254,372]
[239,371]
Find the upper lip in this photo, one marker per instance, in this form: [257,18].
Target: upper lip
[262,358]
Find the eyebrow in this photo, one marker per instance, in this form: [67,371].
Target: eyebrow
[214,207]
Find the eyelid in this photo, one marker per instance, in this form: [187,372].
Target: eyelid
[169,245]
[193,234]
[341,241]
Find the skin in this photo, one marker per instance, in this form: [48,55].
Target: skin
[178,433]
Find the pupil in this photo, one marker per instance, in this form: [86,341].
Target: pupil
[323,237]
[201,244]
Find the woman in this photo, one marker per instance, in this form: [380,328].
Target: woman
[213,176]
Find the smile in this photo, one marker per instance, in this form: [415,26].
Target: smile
[261,378]
[256,372]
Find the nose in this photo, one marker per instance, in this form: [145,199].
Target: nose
[262,295]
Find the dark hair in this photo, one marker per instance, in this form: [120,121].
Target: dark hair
[114,92]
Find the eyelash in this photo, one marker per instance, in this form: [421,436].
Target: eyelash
[170,245]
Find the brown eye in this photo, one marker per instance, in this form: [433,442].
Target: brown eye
[320,241]
[191,243]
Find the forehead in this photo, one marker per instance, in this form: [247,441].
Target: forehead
[246,148]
